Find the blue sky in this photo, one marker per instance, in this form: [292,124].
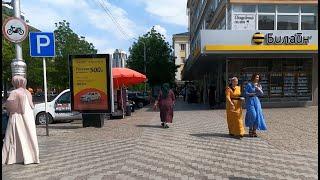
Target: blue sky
[87,18]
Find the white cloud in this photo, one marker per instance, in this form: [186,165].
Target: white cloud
[109,51]
[38,17]
[82,13]
[161,30]
[170,11]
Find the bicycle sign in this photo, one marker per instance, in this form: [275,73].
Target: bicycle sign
[15,29]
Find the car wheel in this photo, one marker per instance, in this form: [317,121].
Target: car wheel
[41,118]
[140,104]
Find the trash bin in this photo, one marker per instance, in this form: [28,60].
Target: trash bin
[128,110]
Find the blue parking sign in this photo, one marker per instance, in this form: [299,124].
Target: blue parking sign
[42,44]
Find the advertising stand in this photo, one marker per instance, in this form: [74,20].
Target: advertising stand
[91,87]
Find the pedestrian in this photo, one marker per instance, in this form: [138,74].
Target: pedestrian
[234,109]
[20,143]
[165,102]
[254,117]
[212,96]
[184,93]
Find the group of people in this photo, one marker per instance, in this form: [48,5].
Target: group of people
[254,119]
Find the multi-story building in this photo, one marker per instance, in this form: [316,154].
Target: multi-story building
[119,58]
[180,43]
[278,39]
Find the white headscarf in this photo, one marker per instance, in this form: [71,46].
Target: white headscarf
[16,101]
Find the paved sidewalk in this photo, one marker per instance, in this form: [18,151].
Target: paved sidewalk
[196,146]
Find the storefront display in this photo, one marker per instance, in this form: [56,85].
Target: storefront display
[281,79]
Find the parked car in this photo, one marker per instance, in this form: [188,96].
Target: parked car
[139,98]
[90,97]
[59,109]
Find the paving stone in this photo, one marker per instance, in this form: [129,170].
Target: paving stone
[196,146]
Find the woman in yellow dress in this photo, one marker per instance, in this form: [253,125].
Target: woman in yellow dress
[234,109]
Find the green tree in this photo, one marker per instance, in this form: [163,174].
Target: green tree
[160,64]
[67,43]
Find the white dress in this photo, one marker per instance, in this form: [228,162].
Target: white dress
[20,143]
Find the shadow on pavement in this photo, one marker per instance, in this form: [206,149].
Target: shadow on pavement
[241,178]
[184,106]
[61,127]
[203,135]
[150,126]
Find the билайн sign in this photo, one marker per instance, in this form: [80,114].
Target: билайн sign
[270,38]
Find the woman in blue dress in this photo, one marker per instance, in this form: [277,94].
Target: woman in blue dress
[254,117]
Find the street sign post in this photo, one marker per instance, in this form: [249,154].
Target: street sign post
[42,44]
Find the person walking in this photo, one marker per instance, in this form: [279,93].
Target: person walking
[254,117]
[212,96]
[20,143]
[165,102]
[234,109]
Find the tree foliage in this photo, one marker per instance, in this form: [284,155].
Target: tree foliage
[160,65]
[67,43]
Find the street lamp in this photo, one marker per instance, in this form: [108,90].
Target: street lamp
[144,57]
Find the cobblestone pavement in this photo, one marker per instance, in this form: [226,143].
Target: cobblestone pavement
[196,146]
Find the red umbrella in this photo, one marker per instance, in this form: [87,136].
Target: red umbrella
[126,77]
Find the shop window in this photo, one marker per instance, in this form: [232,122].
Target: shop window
[244,8]
[266,22]
[288,22]
[281,79]
[266,8]
[308,22]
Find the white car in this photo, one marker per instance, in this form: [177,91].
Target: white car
[90,96]
[59,109]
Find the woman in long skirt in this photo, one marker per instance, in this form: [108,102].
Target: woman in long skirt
[20,142]
[234,109]
[165,102]
[254,117]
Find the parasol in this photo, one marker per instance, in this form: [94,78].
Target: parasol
[126,77]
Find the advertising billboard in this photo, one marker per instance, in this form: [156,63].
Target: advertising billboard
[90,78]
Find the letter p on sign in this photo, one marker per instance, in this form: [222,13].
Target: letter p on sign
[42,44]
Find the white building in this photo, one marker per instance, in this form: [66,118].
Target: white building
[181,48]
[119,58]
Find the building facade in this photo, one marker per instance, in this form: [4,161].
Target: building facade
[277,39]
[119,58]
[180,43]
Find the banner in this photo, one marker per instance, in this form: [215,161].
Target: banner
[90,81]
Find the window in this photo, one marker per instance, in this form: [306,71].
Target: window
[64,98]
[309,9]
[287,22]
[182,47]
[244,8]
[266,9]
[288,9]
[308,22]
[266,22]
[309,18]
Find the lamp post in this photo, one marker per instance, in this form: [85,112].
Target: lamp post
[145,61]
[18,66]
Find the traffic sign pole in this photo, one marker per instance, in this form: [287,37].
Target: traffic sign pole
[45,94]
[42,45]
